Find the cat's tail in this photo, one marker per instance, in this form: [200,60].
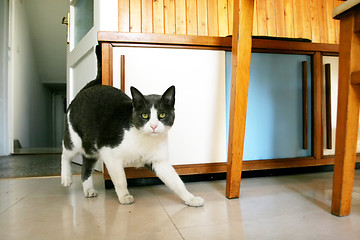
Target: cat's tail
[98,79]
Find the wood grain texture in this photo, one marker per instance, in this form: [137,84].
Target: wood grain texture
[191,18]
[158,16]
[124,13]
[347,117]
[135,16]
[240,71]
[107,64]
[223,18]
[317,78]
[279,18]
[122,72]
[289,19]
[202,20]
[180,20]
[146,17]
[169,16]
[311,19]
[271,18]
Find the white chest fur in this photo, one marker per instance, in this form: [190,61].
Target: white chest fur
[138,149]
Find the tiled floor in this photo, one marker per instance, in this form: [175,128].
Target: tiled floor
[284,207]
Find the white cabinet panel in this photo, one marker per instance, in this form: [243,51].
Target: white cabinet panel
[334,67]
[199,131]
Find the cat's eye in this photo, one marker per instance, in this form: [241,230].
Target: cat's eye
[145,116]
[162,115]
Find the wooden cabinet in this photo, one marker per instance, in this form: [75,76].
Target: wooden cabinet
[200,69]
[275,116]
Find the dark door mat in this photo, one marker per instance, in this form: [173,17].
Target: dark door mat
[18,166]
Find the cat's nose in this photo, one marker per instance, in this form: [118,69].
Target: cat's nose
[153,127]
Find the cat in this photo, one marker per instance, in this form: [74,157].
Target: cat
[104,123]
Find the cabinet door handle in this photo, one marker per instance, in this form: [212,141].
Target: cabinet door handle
[328,106]
[305,104]
[122,74]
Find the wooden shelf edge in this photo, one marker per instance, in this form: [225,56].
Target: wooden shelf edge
[186,41]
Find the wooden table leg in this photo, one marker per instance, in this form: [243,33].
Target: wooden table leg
[240,71]
[347,116]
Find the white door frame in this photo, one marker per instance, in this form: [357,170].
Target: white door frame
[5,138]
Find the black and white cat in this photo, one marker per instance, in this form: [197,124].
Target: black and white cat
[104,123]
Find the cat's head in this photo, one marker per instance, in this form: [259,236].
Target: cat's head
[153,114]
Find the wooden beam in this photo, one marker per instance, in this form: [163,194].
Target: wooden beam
[240,71]
[347,118]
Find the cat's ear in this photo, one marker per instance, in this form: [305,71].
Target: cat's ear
[169,96]
[137,98]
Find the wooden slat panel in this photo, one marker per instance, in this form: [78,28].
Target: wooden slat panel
[191,19]
[169,14]
[230,16]
[289,18]
[146,17]
[298,18]
[337,23]
[307,19]
[280,18]
[315,21]
[158,16]
[261,17]
[123,19]
[213,22]
[322,21]
[202,17]
[180,12]
[223,18]
[255,20]
[330,22]
[271,18]
[135,16]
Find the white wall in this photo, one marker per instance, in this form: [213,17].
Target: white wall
[31,100]
[48,37]
[4,23]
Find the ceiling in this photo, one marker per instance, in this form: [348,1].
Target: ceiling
[48,37]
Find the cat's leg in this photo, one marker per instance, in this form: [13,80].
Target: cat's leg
[117,174]
[66,174]
[168,175]
[86,177]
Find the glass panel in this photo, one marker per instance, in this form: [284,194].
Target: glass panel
[84,18]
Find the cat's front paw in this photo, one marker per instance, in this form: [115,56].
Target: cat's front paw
[90,193]
[66,180]
[195,202]
[127,199]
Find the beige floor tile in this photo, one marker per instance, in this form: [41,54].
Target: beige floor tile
[286,207]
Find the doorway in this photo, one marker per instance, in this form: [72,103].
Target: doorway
[37,75]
